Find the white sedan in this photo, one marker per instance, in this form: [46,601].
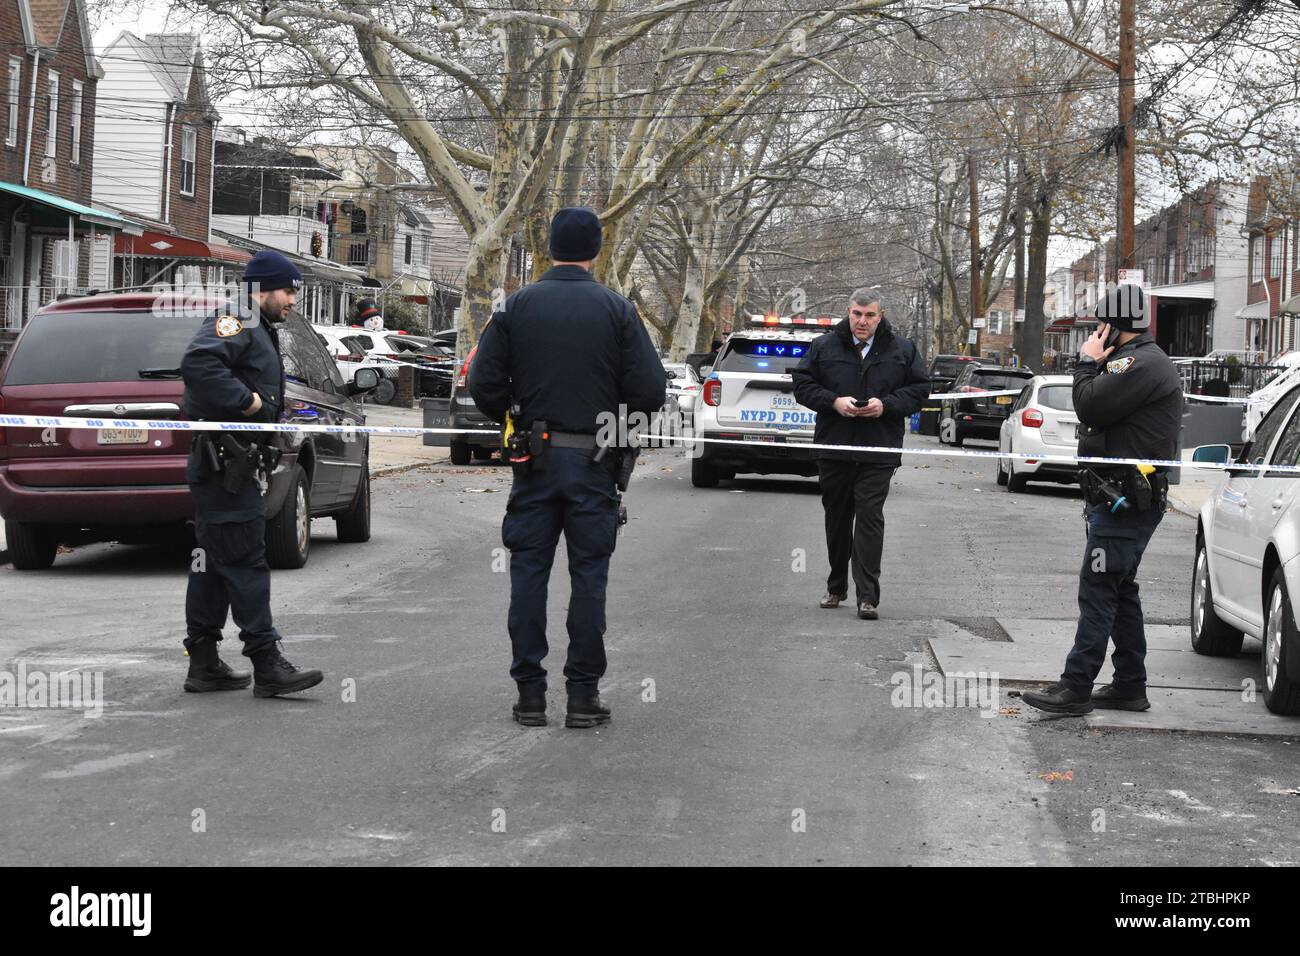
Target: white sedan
[1246,577]
[684,386]
[1042,422]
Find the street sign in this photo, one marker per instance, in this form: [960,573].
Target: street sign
[1020,315]
[1131,277]
[973,337]
[982,322]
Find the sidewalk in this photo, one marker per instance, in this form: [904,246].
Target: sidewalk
[1194,489]
[394,453]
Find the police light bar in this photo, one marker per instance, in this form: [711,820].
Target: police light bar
[790,320]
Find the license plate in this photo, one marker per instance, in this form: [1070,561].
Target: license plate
[123,436]
[1003,399]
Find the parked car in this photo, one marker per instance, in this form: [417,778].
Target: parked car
[684,383]
[981,415]
[1246,577]
[1042,421]
[119,356]
[351,355]
[944,370]
[463,413]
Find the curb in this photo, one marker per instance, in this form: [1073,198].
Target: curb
[1183,508]
[399,469]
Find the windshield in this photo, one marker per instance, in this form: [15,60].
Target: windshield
[71,347]
[775,356]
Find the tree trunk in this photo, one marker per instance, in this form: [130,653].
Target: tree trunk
[1029,338]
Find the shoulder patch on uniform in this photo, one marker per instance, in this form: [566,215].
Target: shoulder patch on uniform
[1120,365]
[229,325]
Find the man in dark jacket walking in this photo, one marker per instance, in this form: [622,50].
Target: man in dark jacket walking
[863,381]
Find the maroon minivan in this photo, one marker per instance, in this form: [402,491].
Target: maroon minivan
[119,356]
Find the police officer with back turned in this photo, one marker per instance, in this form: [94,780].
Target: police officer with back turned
[561,356]
[1130,405]
[233,372]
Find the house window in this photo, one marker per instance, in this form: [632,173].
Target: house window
[1275,255]
[76,121]
[52,132]
[15,92]
[1256,258]
[189,145]
[407,257]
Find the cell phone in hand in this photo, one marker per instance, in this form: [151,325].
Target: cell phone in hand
[861,402]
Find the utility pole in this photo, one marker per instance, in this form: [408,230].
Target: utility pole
[1022,207]
[1126,236]
[975,303]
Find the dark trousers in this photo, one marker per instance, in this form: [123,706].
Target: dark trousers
[230,573]
[1109,606]
[575,495]
[853,498]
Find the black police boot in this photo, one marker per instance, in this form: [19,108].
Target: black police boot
[1060,699]
[530,709]
[1111,697]
[209,672]
[273,675]
[586,712]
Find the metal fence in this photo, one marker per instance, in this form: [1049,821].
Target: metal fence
[1224,379]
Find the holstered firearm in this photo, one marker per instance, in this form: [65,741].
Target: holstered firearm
[240,463]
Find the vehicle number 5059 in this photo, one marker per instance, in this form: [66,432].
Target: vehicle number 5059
[784,401]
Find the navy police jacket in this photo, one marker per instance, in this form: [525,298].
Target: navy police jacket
[892,371]
[226,361]
[1130,403]
[566,349]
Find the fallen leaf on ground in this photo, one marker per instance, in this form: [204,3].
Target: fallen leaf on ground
[1052,776]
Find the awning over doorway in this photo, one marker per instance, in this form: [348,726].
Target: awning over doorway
[52,211]
[162,246]
[1184,290]
[1256,310]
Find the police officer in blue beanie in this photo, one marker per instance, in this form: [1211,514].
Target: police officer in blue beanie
[567,353]
[233,372]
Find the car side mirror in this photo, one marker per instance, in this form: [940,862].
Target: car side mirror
[365,380]
[1217,454]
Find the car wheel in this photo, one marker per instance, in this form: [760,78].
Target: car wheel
[353,525]
[483,452]
[385,391]
[702,474]
[1002,472]
[1281,694]
[957,436]
[1210,636]
[460,452]
[288,534]
[32,547]
[945,426]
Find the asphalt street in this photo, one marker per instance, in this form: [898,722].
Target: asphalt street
[749,725]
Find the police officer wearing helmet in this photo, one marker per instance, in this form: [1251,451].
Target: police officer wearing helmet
[566,353]
[1129,401]
[233,372]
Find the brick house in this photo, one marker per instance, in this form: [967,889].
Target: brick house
[1271,265]
[154,162]
[52,240]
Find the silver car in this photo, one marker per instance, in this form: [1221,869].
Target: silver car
[1246,578]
